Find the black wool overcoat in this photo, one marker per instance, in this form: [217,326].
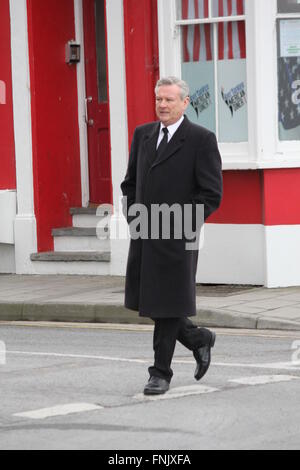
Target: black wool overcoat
[161,273]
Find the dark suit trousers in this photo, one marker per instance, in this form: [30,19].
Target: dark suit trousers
[166,332]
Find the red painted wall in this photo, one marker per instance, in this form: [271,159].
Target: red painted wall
[142,63]
[242,198]
[282,196]
[56,152]
[7,145]
[268,197]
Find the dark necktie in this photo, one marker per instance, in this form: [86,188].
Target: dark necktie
[163,144]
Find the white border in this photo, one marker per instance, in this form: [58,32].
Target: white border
[8,208]
[81,89]
[118,122]
[25,223]
[232,254]
[117,94]
[282,252]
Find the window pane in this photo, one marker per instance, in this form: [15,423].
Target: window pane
[197,43]
[198,72]
[228,7]
[288,6]
[192,9]
[289,79]
[231,40]
[232,82]
[101,50]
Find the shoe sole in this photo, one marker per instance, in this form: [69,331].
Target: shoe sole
[152,392]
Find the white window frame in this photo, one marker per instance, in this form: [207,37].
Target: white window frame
[263,149]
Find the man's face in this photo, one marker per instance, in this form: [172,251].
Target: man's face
[169,105]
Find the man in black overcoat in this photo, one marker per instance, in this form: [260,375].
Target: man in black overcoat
[172,162]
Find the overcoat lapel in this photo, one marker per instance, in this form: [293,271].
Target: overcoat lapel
[150,143]
[173,146]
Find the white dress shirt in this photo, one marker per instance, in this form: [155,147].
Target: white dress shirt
[171,130]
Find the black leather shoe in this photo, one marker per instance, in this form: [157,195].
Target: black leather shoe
[203,357]
[156,386]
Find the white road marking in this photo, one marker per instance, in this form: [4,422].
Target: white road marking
[178,392]
[79,356]
[60,410]
[295,365]
[267,365]
[264,379]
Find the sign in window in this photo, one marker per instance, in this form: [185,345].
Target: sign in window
[289,78]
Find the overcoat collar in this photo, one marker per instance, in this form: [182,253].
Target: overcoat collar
[173,146]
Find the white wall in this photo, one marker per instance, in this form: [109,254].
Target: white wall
[232,254]
[118,123]
[25,223]
[8,208]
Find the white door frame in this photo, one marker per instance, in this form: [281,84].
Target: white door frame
[81,90]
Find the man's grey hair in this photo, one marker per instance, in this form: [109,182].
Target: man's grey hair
[185,91]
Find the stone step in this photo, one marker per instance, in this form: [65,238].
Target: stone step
[81,244]
[69,257]
[86,220]
[77,232]
[84,210]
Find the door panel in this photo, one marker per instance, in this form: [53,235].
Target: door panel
[97,105]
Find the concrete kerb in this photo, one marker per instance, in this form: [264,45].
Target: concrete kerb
[269,323]
[224,319]
[112,313]
[11,311]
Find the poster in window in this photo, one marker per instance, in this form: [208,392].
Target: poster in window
[200,77]
[289,98]
[232,98]
[290,38]
[289,79]
[198,72]
[232,82]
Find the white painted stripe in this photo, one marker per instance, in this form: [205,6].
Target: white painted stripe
[239,259]
[178,392]
[118,110]
[269,365]
[272,365]
[60,410]
[81,90]
[264,379]
[79,356]
[25,222]
[282,255]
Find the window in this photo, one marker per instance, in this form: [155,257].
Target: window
[288,6]
[213,62]
[101,50]
[288,34]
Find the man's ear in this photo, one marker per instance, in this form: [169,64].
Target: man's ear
[187,101]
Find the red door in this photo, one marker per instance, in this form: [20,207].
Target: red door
[97,105]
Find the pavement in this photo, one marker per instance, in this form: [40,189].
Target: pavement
[100,299]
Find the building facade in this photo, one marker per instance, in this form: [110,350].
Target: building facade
[77,77]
